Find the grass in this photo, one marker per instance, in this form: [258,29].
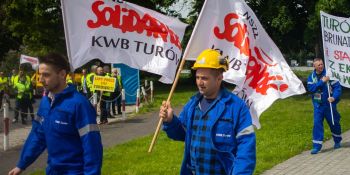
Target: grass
[180,96]
[302,74]
[286,131]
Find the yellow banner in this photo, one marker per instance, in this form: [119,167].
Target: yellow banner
[102,83]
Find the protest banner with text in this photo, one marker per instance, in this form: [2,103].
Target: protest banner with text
[336,47]
[125,33]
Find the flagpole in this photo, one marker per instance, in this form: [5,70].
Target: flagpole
[66,34]
[156,133]
[330,104]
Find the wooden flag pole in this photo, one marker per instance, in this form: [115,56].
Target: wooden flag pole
[156,133]
[176,79]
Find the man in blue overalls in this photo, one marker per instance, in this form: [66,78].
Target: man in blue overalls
[317,85]
[215,124]
[65,125]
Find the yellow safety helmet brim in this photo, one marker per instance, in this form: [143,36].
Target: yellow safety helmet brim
[210,59]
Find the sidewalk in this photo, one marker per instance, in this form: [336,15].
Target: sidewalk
[116,132]
[18,135]
[327,162]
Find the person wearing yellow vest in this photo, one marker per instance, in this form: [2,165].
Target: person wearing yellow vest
[90,78]
[12,77]
[84,88]
[116,95]
[21,85]
[3,86]
[108,95]
[69,79]
[102,100]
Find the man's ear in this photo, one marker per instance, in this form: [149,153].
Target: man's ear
[62,73]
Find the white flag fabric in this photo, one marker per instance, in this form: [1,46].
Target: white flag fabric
[336,47]
[256,66]
[122,33]
[31,60]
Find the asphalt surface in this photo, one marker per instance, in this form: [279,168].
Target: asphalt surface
[116,132]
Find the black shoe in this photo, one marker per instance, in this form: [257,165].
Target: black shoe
[24,122]
[110,116]
[103,122]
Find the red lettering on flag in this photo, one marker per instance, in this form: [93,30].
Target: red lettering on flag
[128,20]
[257,69]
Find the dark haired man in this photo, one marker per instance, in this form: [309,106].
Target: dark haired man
[65,124]
[215,124]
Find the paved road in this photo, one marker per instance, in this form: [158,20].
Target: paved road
[117,132]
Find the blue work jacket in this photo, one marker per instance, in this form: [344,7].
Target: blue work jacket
[316,85]
[232,133]
[67,127]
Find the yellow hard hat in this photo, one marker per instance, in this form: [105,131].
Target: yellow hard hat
[210,58]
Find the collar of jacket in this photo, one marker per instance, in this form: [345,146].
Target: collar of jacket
[69,89]
[322,73]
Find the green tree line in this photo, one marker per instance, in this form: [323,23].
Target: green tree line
[35,27]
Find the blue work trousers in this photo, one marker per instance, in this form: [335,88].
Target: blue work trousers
[320,112]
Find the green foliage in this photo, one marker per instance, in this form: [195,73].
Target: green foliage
[37,23]
[283,22]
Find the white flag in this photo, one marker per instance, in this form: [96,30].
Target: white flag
[122,33]
[336,47]
[256,66]
[31,60]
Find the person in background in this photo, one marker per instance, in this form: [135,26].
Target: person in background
[12,77]
[102,100]
[3,86]
[116,95]
[65,125]
[108,95]
[21,85]
[90,79]
[215,124]
[317,83]
[84,88]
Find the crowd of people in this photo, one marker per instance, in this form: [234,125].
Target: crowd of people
[21,86]
[107,100]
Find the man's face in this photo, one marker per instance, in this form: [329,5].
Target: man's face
[208,82]
[114,73]
[106,69]
[99,71]
[50,78]
[21,73]
[83,72]
[1,74]
[318,65]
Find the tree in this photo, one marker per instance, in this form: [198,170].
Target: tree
[7,42]
[38,24]
[313,30]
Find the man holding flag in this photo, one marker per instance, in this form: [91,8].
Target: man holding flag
[215,124]
[321,99]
